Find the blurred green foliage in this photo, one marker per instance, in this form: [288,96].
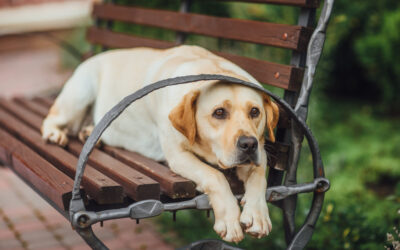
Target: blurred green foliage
[361,156]
[360,59]
[354,114]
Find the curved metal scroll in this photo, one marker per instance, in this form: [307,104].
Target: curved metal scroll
[77,206]
[314,52]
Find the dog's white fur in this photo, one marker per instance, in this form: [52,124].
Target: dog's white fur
[160,126]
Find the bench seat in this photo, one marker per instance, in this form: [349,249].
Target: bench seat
[113,175]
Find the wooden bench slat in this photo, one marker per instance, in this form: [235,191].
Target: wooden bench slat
[97,185]
[279,35]
[37,108]
[274,74]
[38,105]
[172,184]
[46,178]
[119,40]
[301,3]
[44,103]
[136,185]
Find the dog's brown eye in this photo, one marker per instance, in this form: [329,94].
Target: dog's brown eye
[254,112]
[220,113]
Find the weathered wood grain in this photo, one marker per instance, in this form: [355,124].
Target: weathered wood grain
[97,185]
[136,185]
[279,35]
[46,178]
[277,75]
[171,184]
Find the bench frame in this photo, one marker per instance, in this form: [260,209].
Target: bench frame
[82,220]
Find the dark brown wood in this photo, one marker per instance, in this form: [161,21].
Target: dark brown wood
[301,3]
[277,75]
[47,179]
[136,185]
[97,185]
[171,184]
[24,114]
[37,108]
[279,35]
[44,101]
[274,74]
[120,40]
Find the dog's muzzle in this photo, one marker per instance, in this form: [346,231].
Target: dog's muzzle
[247,147]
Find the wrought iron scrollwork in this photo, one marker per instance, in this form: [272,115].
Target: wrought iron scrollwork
[82,220]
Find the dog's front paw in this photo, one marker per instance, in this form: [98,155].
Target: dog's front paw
[229,229]
[55,135]
[255,219]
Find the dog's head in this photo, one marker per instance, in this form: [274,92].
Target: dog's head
[225,123]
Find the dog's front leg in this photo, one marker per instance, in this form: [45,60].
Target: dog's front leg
[214,184]
[255,216]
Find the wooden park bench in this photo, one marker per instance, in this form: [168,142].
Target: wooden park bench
[116,178]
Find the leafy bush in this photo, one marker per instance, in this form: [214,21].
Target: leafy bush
[362,161]
[360,59]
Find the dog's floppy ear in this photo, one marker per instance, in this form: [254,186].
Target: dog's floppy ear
[272,112]
[183,116]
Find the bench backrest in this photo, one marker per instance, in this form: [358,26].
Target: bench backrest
[291,37]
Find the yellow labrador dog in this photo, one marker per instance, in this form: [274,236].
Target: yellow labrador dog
[191,126]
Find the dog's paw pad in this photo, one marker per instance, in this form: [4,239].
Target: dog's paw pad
[229,230]
[56,136]
[255,220]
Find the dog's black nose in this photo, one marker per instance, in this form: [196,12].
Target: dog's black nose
[247,144]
